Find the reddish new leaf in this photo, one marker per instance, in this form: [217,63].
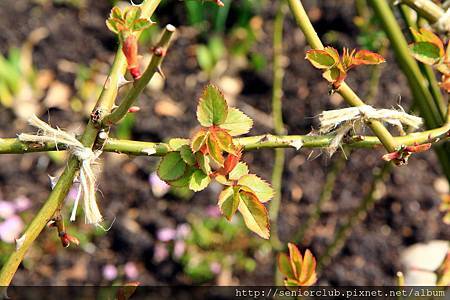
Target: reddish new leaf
[366,57]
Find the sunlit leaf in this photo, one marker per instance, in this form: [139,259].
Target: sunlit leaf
[254,213]
[203,163]
[141,24]
[199,181]
[259,187]
[238,171]
[284,265]
[199,140]
[321,59]
[366,57]
[212,108]
[237,123]
[308,272]
[224,140]
[131,14]
[426,36]
[229,202]
[215,151]
[425,52]
[176,143]
[296,259]
[171,167]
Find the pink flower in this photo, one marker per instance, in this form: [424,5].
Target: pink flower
[166,234]
[160,253]
[109,272]
[179,248]
[213,211]
[7,209]
[183,231]
[215,267]
[131,270]
[159,187]
[22,203]
[11,228]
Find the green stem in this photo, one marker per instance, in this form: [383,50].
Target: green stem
[358,215]
[426,9]
[154,66]
[277,115]
[345,91]
[417,83]
[266,141]
[58,194]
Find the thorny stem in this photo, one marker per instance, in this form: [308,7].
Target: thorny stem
[422,96]
[277,116]
[426,9]
[357,215]
[154,66]
[345,91]
[266,141]
[58,194]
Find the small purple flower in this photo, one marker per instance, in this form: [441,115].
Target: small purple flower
[7,209]
[215,267]
[22,203]
[213,211]
[166,234]
[11,228]
[159,187]
[109,272]
[179,249]
[160,253]
[131,270]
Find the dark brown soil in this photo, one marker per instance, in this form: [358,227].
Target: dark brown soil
[408,212]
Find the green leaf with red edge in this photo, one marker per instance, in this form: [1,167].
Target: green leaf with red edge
[254,213]
[291,282]
[259,187]
[214,151]
[212,108]
[241,169]
[424,35]
[296,259]
[308,272]
[203,162]
[321,59]
[335,75]
[425,52]
[187,155]
[237,123]
[199,140]
[284,265]
[115,25]
[229,202]
[141,24]
[199,181]
[223,139]
[171,167]
[184,180]
[366,57]
[116,12]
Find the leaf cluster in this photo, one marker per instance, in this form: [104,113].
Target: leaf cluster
[335,67]
[299,270]
[211,154]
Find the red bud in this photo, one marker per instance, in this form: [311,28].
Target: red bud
[130,50]
[418,148]
[134,109]
[66,239]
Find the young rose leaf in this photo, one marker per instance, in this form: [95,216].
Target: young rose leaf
[296,259]
[184,180]
[115,13]
[171,167]
[131,14]
[308,272]
[237,123]
[199,140]
[175,144]
[427,36]
[223,139]
[336,76]
[203,163]
[215,151]
[259,187]
[366,57]
[199,181]
[141,24]
[284,265]
[254,213]
[229,202]
[187,155]
[321,59]
[114,25]
[426,52]
[240,170]
[291,282]
[230,163]
[212,108]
